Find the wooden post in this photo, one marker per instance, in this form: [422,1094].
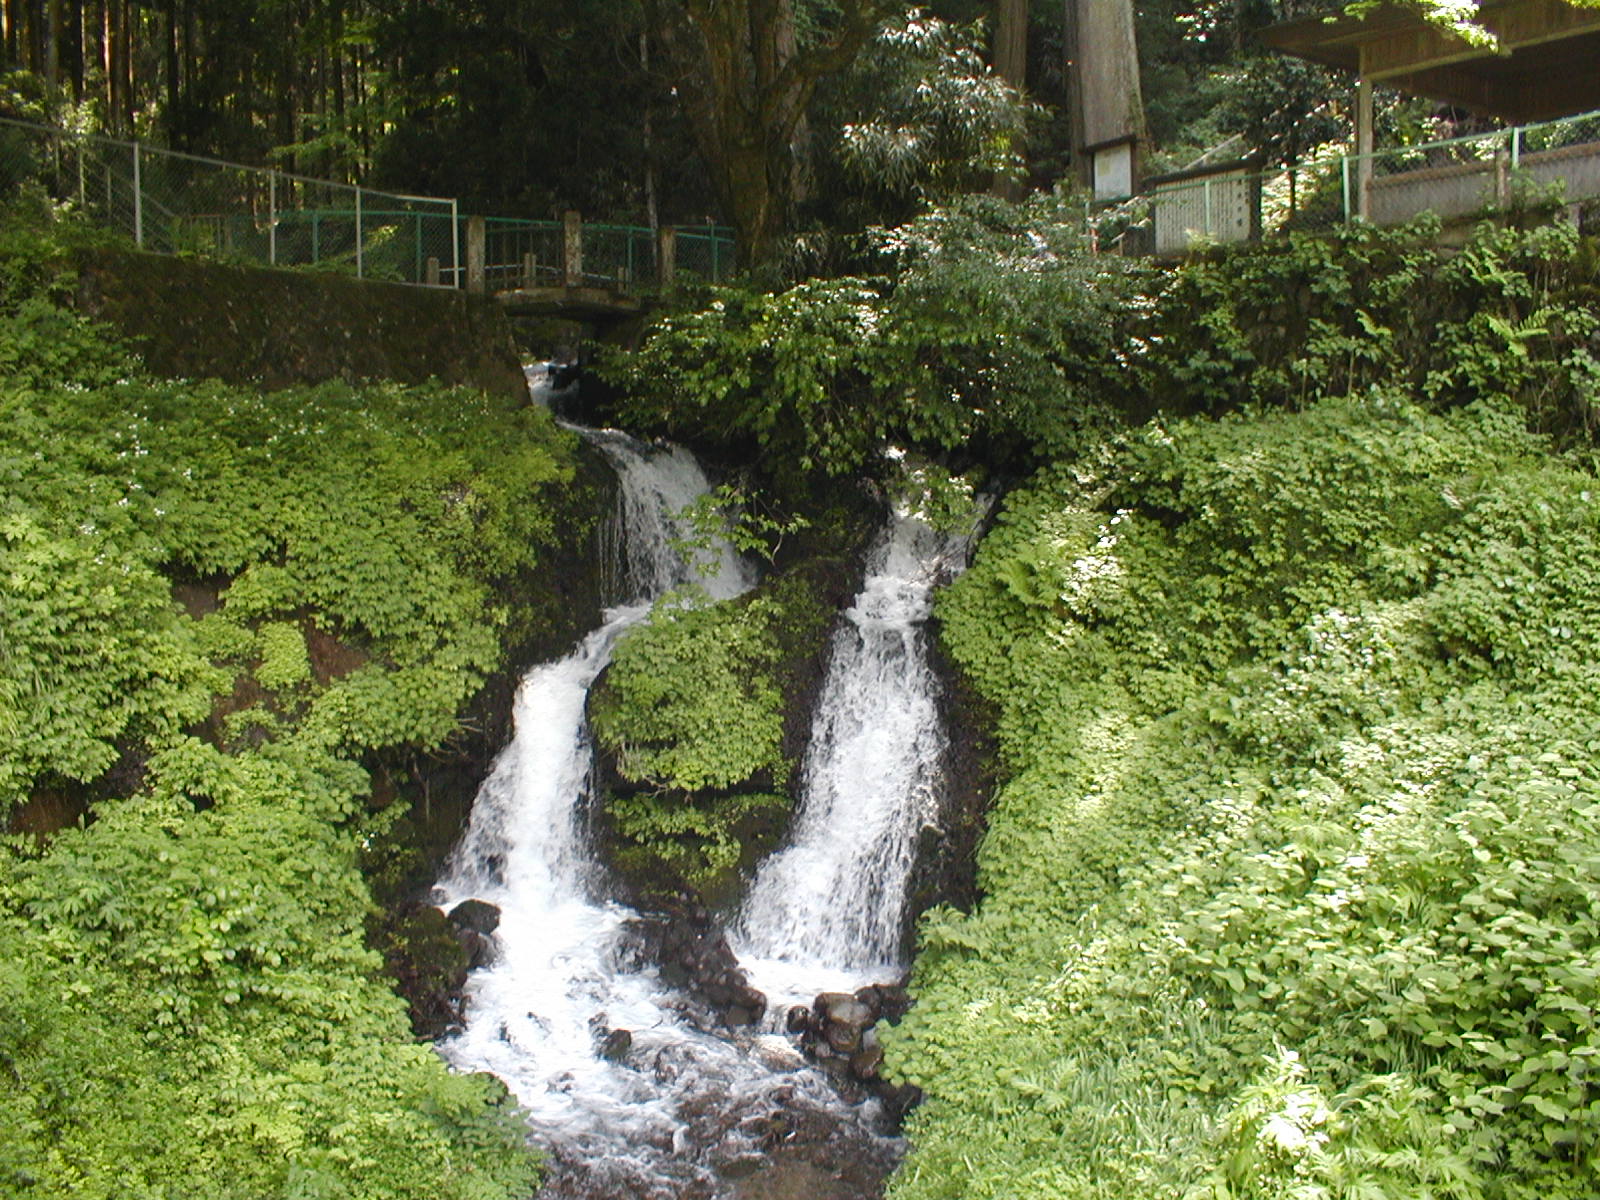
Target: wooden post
[530,270]
[667,258]
[477,249]
[573,242]
[432,275]
[1364,144]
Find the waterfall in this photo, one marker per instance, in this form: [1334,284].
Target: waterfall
[668,1116]
[828,910]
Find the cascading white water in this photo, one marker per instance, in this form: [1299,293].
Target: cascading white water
[683,1101]
[827,911]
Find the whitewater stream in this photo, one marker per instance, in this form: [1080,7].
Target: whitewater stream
[828,911]
[687,1110]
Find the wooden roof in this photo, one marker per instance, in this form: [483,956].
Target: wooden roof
[1546,63]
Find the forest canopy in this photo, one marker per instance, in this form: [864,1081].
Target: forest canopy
[809,117]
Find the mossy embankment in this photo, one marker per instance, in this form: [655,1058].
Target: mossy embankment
[258,645]
[191,319]
[703,717]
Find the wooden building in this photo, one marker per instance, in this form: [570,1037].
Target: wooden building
[1541,62]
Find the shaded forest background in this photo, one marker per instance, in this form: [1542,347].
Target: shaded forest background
[837,113]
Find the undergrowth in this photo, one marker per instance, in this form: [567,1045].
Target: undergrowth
[1290,887]
[692,711]
[218,604]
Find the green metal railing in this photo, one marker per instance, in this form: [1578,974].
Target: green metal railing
[533,253]
[175,203]
[1455,178]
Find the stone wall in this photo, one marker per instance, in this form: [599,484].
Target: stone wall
[201,320]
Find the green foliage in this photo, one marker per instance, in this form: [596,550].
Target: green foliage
[931,118]
[997,325]
[691,700]
[692,711]
[698,839]
[189,1006]
[190,1011]
[1286,893]
[91,653]
[744,521]
[1511,315]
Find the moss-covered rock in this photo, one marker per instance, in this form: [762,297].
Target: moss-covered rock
[691,718]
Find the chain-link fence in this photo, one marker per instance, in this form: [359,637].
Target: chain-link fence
[174,203]
[705,252]
[1461,178]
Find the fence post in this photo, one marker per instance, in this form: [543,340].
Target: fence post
[272,217]
[572,230]
[477,248]
[1344,177]
[432,271]
[455,242]
[1364,149]
[138,201]
[530,270]
[1516,146]
[358,232]
[716,269]
[667,257]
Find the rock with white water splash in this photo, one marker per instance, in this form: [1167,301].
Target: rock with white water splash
[477,915]
[693,955]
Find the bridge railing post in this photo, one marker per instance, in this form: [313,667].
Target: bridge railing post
[477,252]
[667,258]
[572,231]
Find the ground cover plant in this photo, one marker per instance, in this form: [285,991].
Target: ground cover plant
[219,606]
[1290,887]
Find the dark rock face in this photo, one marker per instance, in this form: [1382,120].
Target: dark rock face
[693,956]
[428,958]
[475,922]
[616,1043]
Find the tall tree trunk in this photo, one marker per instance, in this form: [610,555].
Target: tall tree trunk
[112,49]
[1011,64]
[172,81]
[746,85]
[73,44]
[52,48]
[652,215]
[1107,105]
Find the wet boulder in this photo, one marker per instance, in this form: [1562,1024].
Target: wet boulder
[614,1046]
[693,955]
[479,916]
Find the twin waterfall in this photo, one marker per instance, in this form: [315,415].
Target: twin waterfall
[683,1108]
